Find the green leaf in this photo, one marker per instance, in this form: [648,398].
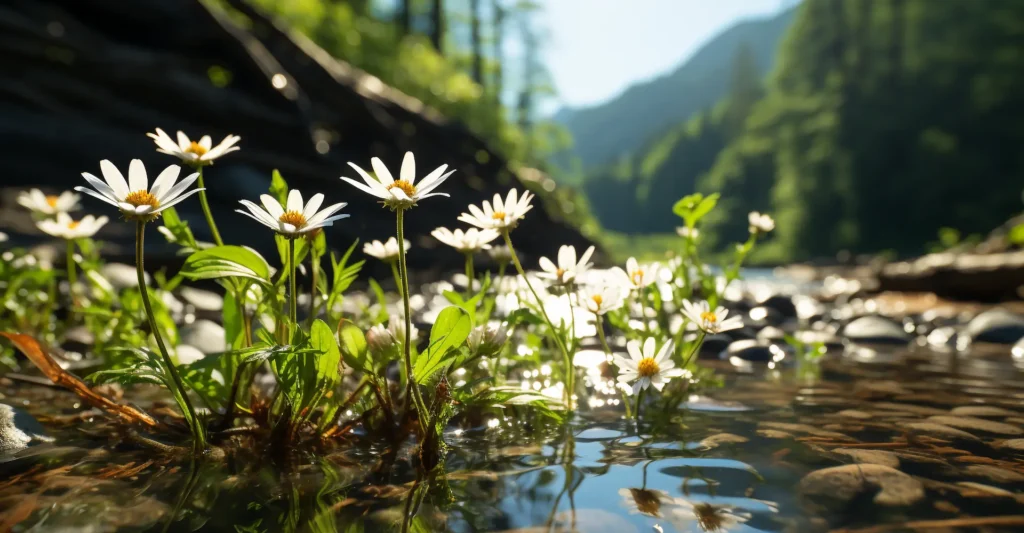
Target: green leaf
[232,317]
[704,207]
[278,187]
[354,348]
[176,230]
[524,316]
[450,331]
[301,251]
[1016,235]
[321,338]
[227,261]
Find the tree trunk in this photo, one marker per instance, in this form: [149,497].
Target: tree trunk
[499,41]
[437,18]
[405,17]
[474,28]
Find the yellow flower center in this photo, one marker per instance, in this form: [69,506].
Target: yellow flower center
[294,218]
[647,367]
[708,316]
[73,224]
[138,198]
[51,200]
[560,272]
[597,299]
[196,148]
[638,277]
[498,215]
[408,188]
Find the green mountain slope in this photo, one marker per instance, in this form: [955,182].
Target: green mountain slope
[605,132]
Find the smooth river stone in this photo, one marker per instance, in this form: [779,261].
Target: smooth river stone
[982,411]
[873,329]
[18,430]
[977,424]
[997,326]
[877,457]
[939,430]
[844,483]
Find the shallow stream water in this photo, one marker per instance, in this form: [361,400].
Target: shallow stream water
[926,437]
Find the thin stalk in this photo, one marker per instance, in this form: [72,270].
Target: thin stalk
[198,432]
[571,370]
[639,399]
[206,209]
[696,346]
[294,300]
[412,389]
[469,275]
[314,264]
[558,340]
[72,276]
[600,334]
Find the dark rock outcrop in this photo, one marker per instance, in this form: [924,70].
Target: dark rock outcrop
[84,80]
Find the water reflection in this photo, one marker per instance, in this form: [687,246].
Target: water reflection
[729,459]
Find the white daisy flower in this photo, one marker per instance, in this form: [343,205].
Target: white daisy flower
[637,276]
[402,193]
[760,223]
[48,204]
[687,232]
[191,152]
[467,241]
[386,251]
[3,237]
[710,321]
[500,254]
[644,367]
[296,218]
[502,215]
[396,326]
[135,198]
[568,268]
[67,228]
[601,299]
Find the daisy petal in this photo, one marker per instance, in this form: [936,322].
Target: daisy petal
[114,178]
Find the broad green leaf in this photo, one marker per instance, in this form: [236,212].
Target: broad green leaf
[353,347]
[321,338]
[232,317]
[705,206]
[1016,235]
[227,261]
[449,332]
[176,230]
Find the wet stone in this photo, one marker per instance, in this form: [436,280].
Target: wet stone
[853,413]
[714,345]
[845,483]
[771,333]
[187,354]
[19,430]
[996,326]
[874,329]
[994,473]
[978,489]
[202,300]
[750,350]
[1012,444]
[783,305]
[804,428]
[982,411]
[121,276]
[715,441]
[940,430]
[977,425]
[877,457]
[205,335]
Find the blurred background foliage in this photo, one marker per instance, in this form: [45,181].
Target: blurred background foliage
[871,126]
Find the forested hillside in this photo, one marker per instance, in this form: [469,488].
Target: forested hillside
[603,133]
[884,121]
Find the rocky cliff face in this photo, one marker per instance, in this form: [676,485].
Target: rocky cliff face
[84,80]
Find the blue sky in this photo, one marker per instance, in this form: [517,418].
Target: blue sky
[594,49]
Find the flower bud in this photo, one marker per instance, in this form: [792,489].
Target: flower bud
[396,325]
[379,340]
[487,340]
[500,254]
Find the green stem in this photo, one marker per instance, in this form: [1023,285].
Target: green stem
[696,346]
[198,432]
[314,264]
[293,309]
[206,210]
[540,303]
[72,276]
[600,334]
[403,269]
[469,275]
[639,398]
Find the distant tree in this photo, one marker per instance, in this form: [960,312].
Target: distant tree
[499,43]
[404,17]
[437,25]
[476,42]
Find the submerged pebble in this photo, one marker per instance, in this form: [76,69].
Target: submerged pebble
[19,430]
[844,483]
